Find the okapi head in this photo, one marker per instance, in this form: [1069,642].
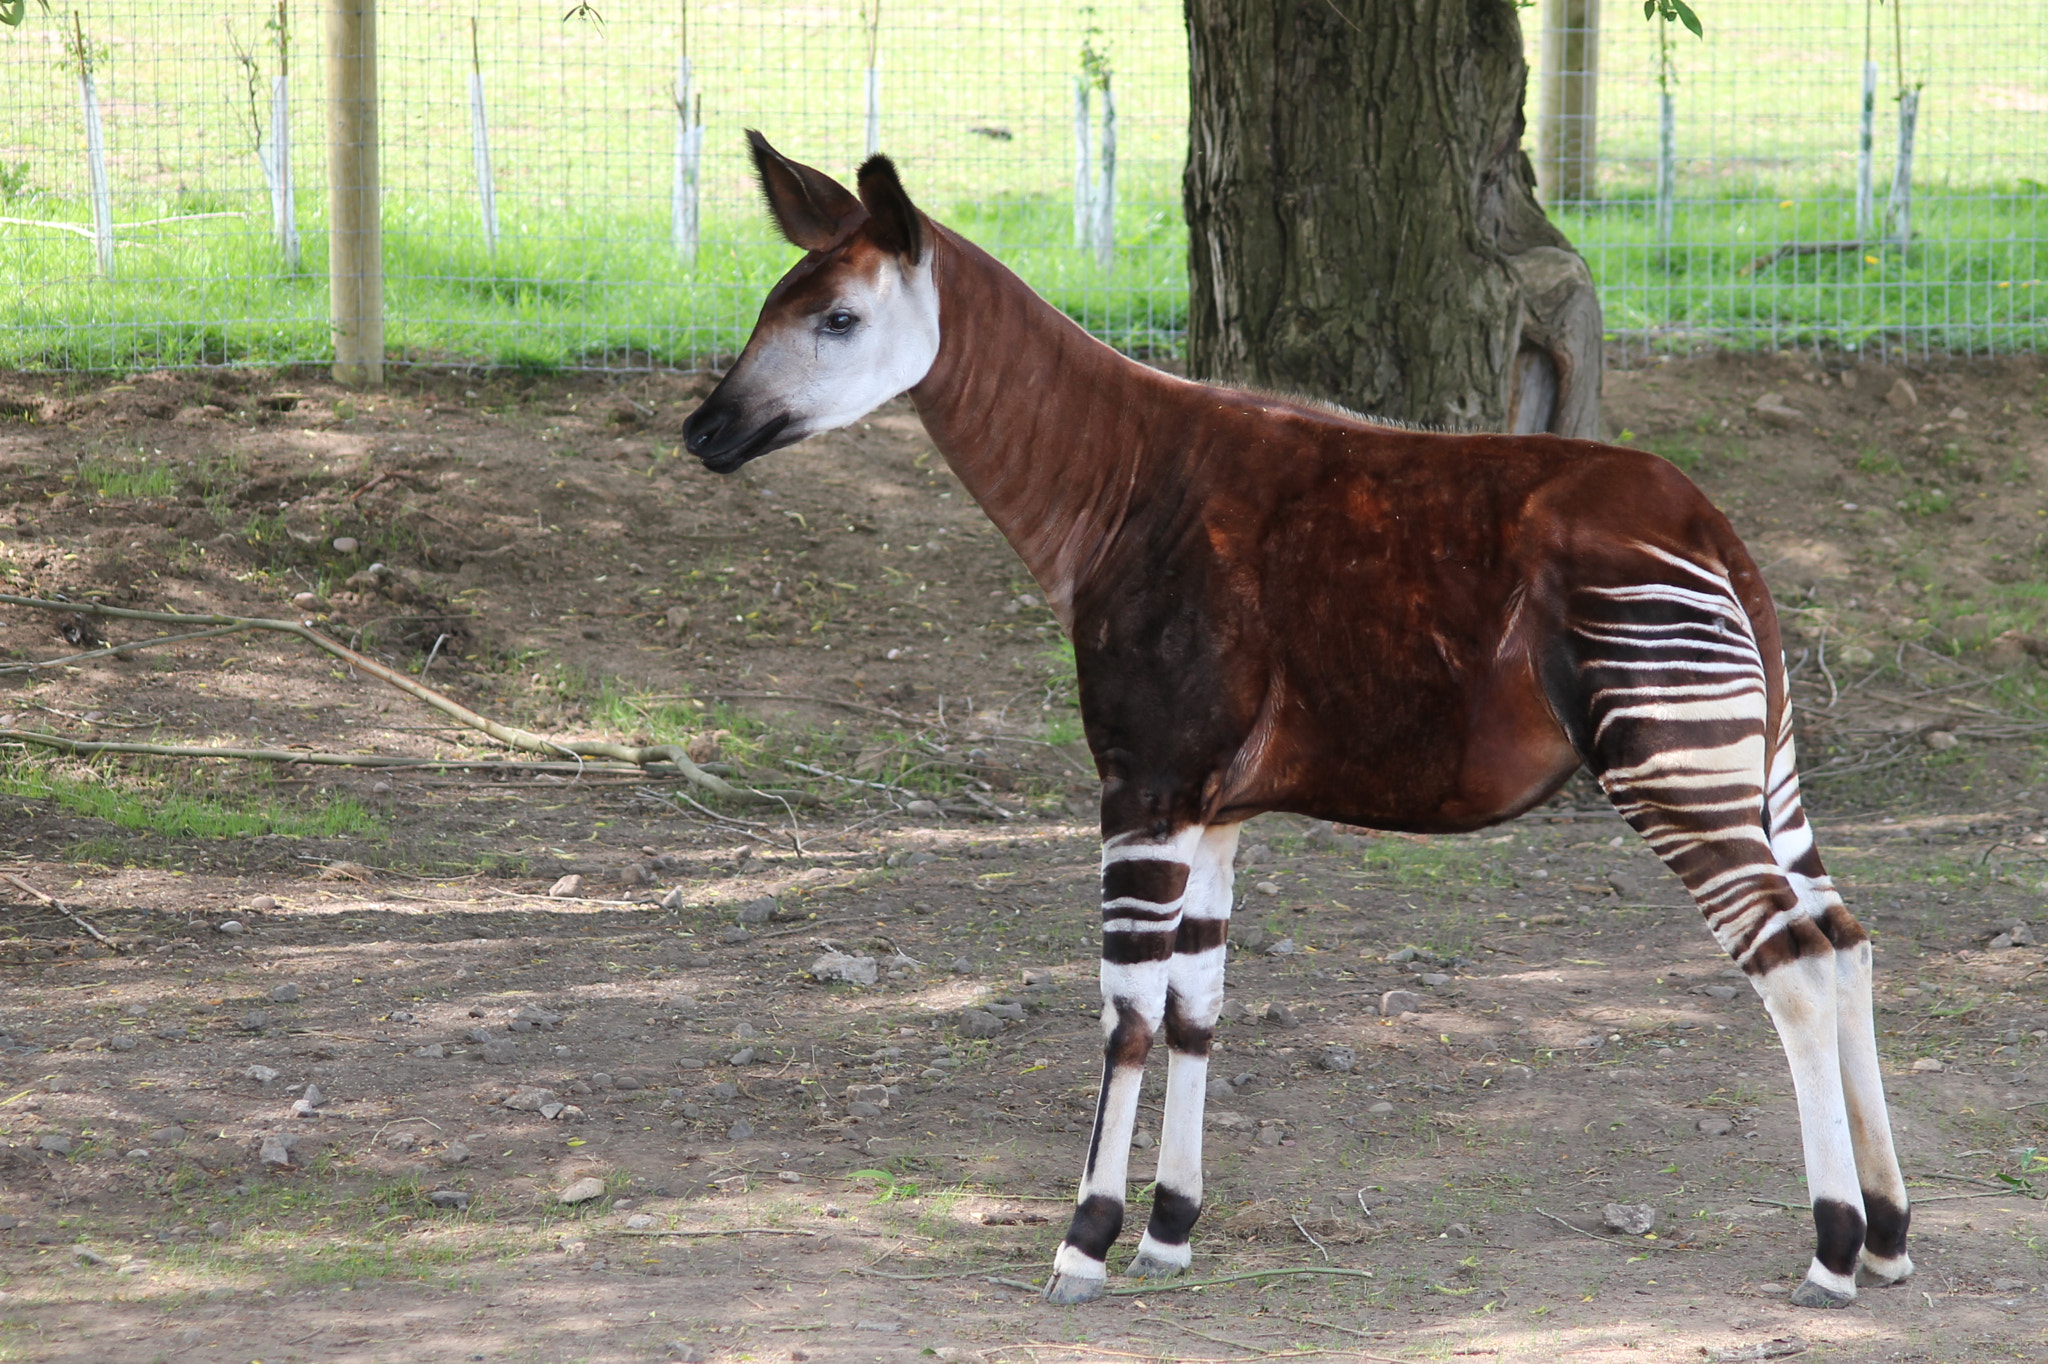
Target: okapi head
[853,324]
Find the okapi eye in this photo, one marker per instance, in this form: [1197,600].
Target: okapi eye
[839,321]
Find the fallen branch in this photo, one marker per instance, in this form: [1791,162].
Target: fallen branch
[1330,1271]
[58,905]
[520,739]
[730,1231]
[1608,1240]
[86,748]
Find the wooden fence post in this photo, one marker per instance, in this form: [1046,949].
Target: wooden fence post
[355,240]
[1566,145]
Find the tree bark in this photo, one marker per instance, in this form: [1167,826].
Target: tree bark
[1362,220]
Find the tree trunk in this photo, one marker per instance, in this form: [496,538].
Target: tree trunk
[1362,221]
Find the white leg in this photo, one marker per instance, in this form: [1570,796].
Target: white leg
[1885,1205]
[1800,995]
[1194,996]
[1144,884]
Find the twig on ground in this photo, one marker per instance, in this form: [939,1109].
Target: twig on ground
[510,736]
[728,1231]
[1958,1197]
[54,903]
[1181,1285]
[1306,1235]
[1609,1240]
[118,649]
[1779,1203]
[85,748]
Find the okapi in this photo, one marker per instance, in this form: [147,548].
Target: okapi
[1277,605]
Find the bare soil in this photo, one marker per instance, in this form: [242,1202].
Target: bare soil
[792,1169]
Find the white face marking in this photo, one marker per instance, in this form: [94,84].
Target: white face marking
[876,337]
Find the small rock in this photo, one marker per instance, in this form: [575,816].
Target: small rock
[501,1051]
[570,887]
[979,1023]
[530,1099]
[1267,887]
[683,1352]
[1630,1219]
[674,899]
[55,1143]
[1940,740]
[639,1221]
[1271,1134]
[1928,1065]
[276,1148]
[741,1130]
[1714,1126]
[1402,956]
[1624,887]
[284,994]
[877,1095]
[167,1136]
[1234,1011]
[230,927]
[254,1021]
[1381,1109]
[1773,409]
[1008,1012]
[922,807]
[1284,948]
[346,544]
[433,1051]
[1341,1059]
[1720,992]
[841,966]
[1279,1013]
[2021,935]
[262,1075]
[84,1044]
[1143,1141]
[454,1153]
[2000,943]
[1434,978]
[123,1043]
[789,1176]
[758,911]
[264,904]
[1901,395]
[1394,1003]
[582,1191]
[743,1057]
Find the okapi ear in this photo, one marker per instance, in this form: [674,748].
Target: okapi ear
[810,207]
[898,226]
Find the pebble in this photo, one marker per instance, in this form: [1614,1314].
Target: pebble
[1007,1011]
[54,1142]
[135,1010]
[639,1221]
[217,1230]
[1271,1134]
[1279,1013]
[683,1352]
[1928,1064]
[433,1051]
[454,1154]
[1286,947]
[734,936]
[1394,1003]
[1341,1059]
[254,1021]
[84,1044]
[741,1130]
[758,911]
[123,1043]
[1381,1109]
[1267,887]
[61,1084]
[230,927]
[167,1136]
[582,1191]
[1434,978]
[448,1198]
[1219,1088]
[262,1075]
[673,900]
[627,1082]
[286,993]
[921,807]
[1940,740]
[743,1057]
[500,1052]
[601,1079]
[725,1089]
[1714,1126]
[1630,1219]
[1143,1141]
[530,1099]
[570,887]
[961,966]
[276,1147]
[346,544]
[789,1176]
[979,1023]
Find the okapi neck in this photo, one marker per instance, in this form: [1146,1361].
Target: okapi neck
[1044,425]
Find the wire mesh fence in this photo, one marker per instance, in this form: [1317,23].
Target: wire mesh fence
[575,191]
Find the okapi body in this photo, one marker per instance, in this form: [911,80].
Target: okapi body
[1280,606]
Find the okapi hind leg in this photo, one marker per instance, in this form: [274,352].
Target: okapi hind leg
[1144,882]
[1194,997]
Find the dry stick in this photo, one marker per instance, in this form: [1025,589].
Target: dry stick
[1305,1233]
[1609,1240]
[58,905]
[734,1231]
[523,740]
[1180,1286]
[121,650]
[85,748]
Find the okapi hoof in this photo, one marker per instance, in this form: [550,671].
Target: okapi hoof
[1145,1265]
[1069,1289]
[1879,1271]
[1811,1294]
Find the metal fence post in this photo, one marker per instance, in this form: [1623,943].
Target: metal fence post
[355,243]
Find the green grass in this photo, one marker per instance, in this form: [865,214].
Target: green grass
[135,802]
[583,135]
[109,479]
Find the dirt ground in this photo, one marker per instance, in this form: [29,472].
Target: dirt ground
[789,1169]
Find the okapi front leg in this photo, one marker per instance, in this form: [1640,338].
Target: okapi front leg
[1143,886]
[1194,997]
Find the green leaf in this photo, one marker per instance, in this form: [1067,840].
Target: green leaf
[1688,18]
[11,11]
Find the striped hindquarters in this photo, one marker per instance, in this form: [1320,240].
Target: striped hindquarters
[1675,709]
